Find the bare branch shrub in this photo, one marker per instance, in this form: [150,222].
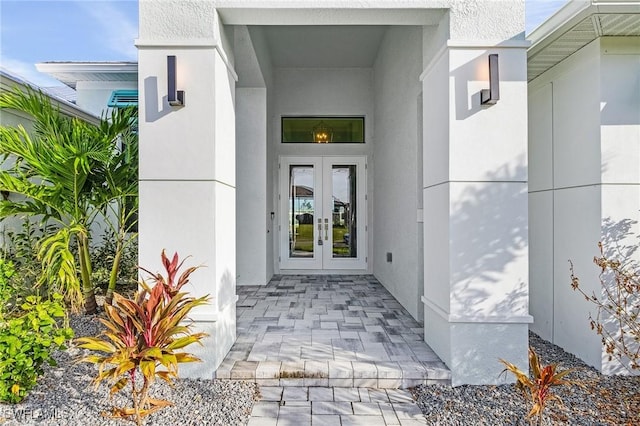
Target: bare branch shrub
[618,308]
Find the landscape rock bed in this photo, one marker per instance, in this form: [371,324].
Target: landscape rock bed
[65,395]
[603,400]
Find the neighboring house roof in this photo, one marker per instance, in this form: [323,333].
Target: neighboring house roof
[9,81]
[71,72]
[577,24]
[303,191]
[64,92]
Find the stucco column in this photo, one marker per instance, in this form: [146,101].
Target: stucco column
[187,163]
[475,209]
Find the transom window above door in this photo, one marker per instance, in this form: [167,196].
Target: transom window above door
[322,129]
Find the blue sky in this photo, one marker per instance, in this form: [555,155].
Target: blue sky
[34,31]
[87,30]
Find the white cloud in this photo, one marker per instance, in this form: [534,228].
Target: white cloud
[537,11]
[28,72]
[116,28]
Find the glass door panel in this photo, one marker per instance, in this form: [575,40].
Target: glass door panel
[300,207]
[344,211]
[322,213]
[301,211]
[344,207]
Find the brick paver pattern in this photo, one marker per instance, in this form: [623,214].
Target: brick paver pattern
[301,406]
[330,350]
[328,330]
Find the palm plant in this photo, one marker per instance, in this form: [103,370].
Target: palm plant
[59,170]
[118,197]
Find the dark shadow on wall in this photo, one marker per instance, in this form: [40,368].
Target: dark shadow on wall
[491,225]
[467,102]
[151,111]
[620,241]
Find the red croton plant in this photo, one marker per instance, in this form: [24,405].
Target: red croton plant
[143,338]
[539,387]
[170,285]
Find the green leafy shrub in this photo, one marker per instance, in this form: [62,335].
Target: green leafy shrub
[21,248]
[144,335]
[7,290]
[27,339]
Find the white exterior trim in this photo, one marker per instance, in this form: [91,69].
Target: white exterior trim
[494,319]
[188,42]
[198,43]
[488,44]
[202,316]
[472,44]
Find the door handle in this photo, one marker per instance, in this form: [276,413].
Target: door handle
[326,229]
[319,232]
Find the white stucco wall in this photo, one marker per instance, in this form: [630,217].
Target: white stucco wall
[475,203]
[254,229]
[435,176]
[584,139]
[251,195]
[565,199]
[261,50]
[395,208]
[187,163]
[470,19]
[619,153]
[562,161]
[318,92]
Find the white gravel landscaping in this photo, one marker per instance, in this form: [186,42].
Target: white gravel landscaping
[603,400]
[65,396]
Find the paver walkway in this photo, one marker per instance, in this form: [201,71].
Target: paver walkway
[330,350]
[325,406]
[328,330]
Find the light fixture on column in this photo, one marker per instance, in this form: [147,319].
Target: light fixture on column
[175,97]
[491,95]
[322,133]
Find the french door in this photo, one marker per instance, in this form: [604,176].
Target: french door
[323,213]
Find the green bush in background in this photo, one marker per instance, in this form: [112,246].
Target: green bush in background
[30,330]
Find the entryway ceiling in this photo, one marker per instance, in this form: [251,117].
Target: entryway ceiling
[324,46]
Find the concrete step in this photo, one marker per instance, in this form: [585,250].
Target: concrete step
[365,374]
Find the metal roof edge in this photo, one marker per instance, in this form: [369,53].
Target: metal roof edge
[559,23]
[70,67]
[8,81]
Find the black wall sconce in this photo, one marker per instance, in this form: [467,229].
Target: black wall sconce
[491,95]
[175,97]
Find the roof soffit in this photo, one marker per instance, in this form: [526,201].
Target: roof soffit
[572,33]
[70,73]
